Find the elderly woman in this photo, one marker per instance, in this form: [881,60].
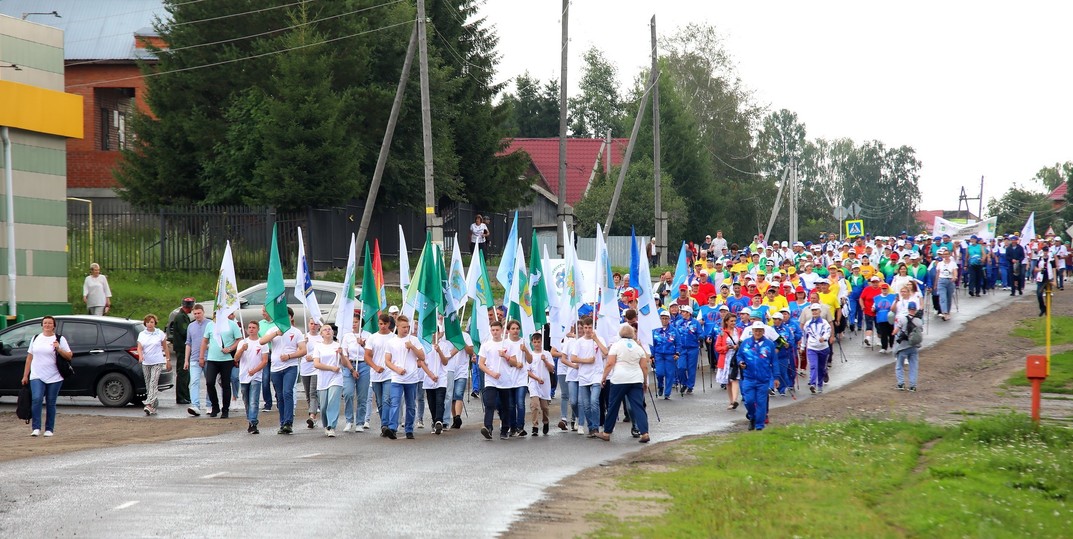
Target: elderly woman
[154,355]
[627,363]
[96,293]
[42,375]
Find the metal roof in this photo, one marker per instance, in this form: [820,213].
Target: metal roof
[93,29]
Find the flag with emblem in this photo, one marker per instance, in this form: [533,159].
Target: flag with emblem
[538,289]
[452,323]
[303,284]
[520,295]
[428,293]
[226,294]
[506,271]
[647,315]
[344,312]
[275,292]
[479,287]
[370,298]
[456,281]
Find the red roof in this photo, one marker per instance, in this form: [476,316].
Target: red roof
[1059,193]
[582,154]
[927,217]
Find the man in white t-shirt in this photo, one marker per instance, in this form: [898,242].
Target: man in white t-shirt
[376,346]
[405,358]
[288,348]
[493,362]
[457,369]
[567,387]
[589,353]
[517,376]
[540,370]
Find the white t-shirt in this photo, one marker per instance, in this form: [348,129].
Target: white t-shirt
[379,343]
[328,354]
[352,349]
[627,369]
[490,352]
[152,346]
[43,366]
[458,362]
[434,364]
[406,360]
[517,375]
[540,370]
[306,368]
[476,232]
[250,359]
[589,373]
[946,270]
[286,344]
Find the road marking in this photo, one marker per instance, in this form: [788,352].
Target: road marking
[308,456]
[126,505]
[213,475]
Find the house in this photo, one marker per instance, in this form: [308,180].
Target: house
[104,41]
[1058,196]
[584,157]
[38,122]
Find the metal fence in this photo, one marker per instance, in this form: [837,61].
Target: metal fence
[618,249]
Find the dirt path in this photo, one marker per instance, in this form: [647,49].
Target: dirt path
[961,375]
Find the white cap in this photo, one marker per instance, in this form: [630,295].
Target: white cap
[686,309]
[815,306]
[724,307]
[393,309]
[758,325]
[776,316]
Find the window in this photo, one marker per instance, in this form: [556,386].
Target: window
[255,297]
[81,334]
[324,297]
[118,336]
[19,337]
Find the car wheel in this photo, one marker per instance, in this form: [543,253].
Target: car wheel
[114,390]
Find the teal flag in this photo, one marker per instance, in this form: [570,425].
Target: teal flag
[275,297]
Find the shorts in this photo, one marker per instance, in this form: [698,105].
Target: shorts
[458,391]
[869,323]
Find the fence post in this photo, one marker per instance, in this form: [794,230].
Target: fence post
[163,238]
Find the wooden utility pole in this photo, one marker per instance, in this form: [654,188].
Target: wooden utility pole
[561,208]
[432,222]
[660,230]
[629,153]
[385,147]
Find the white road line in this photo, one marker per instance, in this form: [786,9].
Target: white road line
[308,456]
[125,505]
[213,475]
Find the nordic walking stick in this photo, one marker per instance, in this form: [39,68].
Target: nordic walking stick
[702,384]
[653,399]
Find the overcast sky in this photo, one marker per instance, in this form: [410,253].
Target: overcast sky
[977,88]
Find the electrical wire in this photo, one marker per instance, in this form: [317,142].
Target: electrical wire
[234,60]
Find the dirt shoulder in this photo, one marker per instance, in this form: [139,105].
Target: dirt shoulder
[963,375]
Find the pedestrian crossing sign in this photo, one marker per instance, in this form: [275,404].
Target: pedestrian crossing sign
[854,228]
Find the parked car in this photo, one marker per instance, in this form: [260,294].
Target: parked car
[105,358]
[252,300]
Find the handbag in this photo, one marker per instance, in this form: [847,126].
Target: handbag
[67,371]
[23,409]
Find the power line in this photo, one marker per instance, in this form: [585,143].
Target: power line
[262,34]
[234,60]
[111,15]
[230,15]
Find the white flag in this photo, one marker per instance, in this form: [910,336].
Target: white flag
[404,263]
[1028,233]
[226,295]
[303,284]
[344,312]
[608,317]
[647,316]
[456,281]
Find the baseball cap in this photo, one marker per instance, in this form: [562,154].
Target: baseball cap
[393,309]
[687,309]
[884,285]
[188,302]
[724,307]
[776,316]
[663,312]
[815,307]
[875,278]
[683,286]
[758,325]
[912,305]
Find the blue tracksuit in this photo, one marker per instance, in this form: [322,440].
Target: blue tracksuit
[757,376]
[784,363]
[664,348]
[689,337]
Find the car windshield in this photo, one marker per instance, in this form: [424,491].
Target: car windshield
[19,337]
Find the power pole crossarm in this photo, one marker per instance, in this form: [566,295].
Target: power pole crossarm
[661,240]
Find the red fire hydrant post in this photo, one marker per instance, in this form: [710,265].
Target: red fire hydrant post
[1036,371]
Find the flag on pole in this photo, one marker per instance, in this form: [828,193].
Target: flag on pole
[608,316]
[521,296]
[370,298]
[404,262]
[226,294]
[456,281]
[537,287]
[573,291]
[303,284]
[505,273]
[635,260]
[557,330]
[647,315]
[378,272]
[275,297]
[479,287]
[452,323]
[428,293]
[344,313]
[681,273]
[410,295]
[474,331]
[1028,232]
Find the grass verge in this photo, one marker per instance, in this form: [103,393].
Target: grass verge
[989,477]
[135,294]
[1060,380]
[1032,328]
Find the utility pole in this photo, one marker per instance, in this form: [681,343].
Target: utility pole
[629,153]
[980,212]
[389,133]
[432,221]
[793,202]
[561,209]
[660,231]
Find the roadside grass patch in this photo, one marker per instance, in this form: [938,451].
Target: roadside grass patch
[1060,380]
[135,294]
[1033,328]
[988,477]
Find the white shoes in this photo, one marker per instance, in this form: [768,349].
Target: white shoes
[347,427]
[36,432]
[330,433]
[581,430]
[48,434]
[420,424]
[365,426]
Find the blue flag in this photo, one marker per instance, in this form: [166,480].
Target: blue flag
[505,273]
[681,272]
[635,261]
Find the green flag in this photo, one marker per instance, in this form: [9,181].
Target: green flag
[370,299]
[474,331]
[452,325]
[429,293]
[275,298]
[537,286]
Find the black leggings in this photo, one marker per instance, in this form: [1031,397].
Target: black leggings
[221,369]
[886,335]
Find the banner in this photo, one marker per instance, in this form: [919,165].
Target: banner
[556,269]
[985,229]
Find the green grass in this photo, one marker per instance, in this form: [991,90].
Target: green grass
[135,294]
[1059,381]
[1032,328]
[990,477]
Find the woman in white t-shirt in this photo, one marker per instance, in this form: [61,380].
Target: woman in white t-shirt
[946,273]
[329,362]
[478,233]
[252,359]
[569,388]
[43,376]
[308,374]
[355,386]
[540,369]
[153,354]
[626,366]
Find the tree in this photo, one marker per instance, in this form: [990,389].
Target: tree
[1015,205]
[781,142]
[636,203]
[599,108]
[1053,176]
[534,110]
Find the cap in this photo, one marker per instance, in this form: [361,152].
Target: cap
[912,305]
[760,273]
[776,316]
[914,255]
[800,290]
[884,285]
[687,309]
[683,286]
[393,309]
[758,325]
[723,307]
[188,302]
[822,281]
[704,272]
[815,307]
[663,312]
[747,311]
[724,285]
[875,278]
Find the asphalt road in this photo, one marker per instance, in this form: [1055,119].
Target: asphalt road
[452,485]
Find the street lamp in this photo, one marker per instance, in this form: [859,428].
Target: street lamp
[53,13]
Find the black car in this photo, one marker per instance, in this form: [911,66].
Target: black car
[105,358]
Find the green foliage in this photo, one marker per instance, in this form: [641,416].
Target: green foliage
[533,109]
[599,108]
[136,294]
[991,477]
[1053,176]
[1034,328]
[635,206]
[1060,381]
[1016,204]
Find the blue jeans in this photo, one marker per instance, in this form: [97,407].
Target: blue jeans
[361,396]
[457,392]
[348,392]
[478,379]
[911,355]
[564,398]
[251,399]
[382,392]
[329,406]
[197,374]
[946,295]
[665,372]
[635,396]
[283,383]
[49,392]
[266,387]
[754,393]
[234,382]
[519,407]
[589,400]
[398,393]
[687,367]
[575,412]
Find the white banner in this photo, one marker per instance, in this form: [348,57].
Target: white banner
[556,269]
[985,229]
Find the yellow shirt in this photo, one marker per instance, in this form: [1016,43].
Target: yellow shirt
[776,304]
[868,270]
[831,300]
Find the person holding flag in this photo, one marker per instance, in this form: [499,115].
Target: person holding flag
[404,357]
[221,338]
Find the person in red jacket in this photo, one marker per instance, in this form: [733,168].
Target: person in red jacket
[867,303]
[705,288]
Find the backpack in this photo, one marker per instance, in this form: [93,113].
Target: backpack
[915,333]
[23,409]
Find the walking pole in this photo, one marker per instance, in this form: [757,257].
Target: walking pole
[653,399]
[701,369]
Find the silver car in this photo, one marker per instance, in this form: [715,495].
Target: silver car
[252,300]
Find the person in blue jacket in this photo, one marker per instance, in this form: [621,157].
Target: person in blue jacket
[784,353]
[756,359]
[665,353]
[689,339]
[798,333]
[711,324]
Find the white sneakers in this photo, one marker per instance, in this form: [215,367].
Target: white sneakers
[330,433]
[365,426]
[48,434]
[348,426]
[581,430]
[36,432]
[420,424]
